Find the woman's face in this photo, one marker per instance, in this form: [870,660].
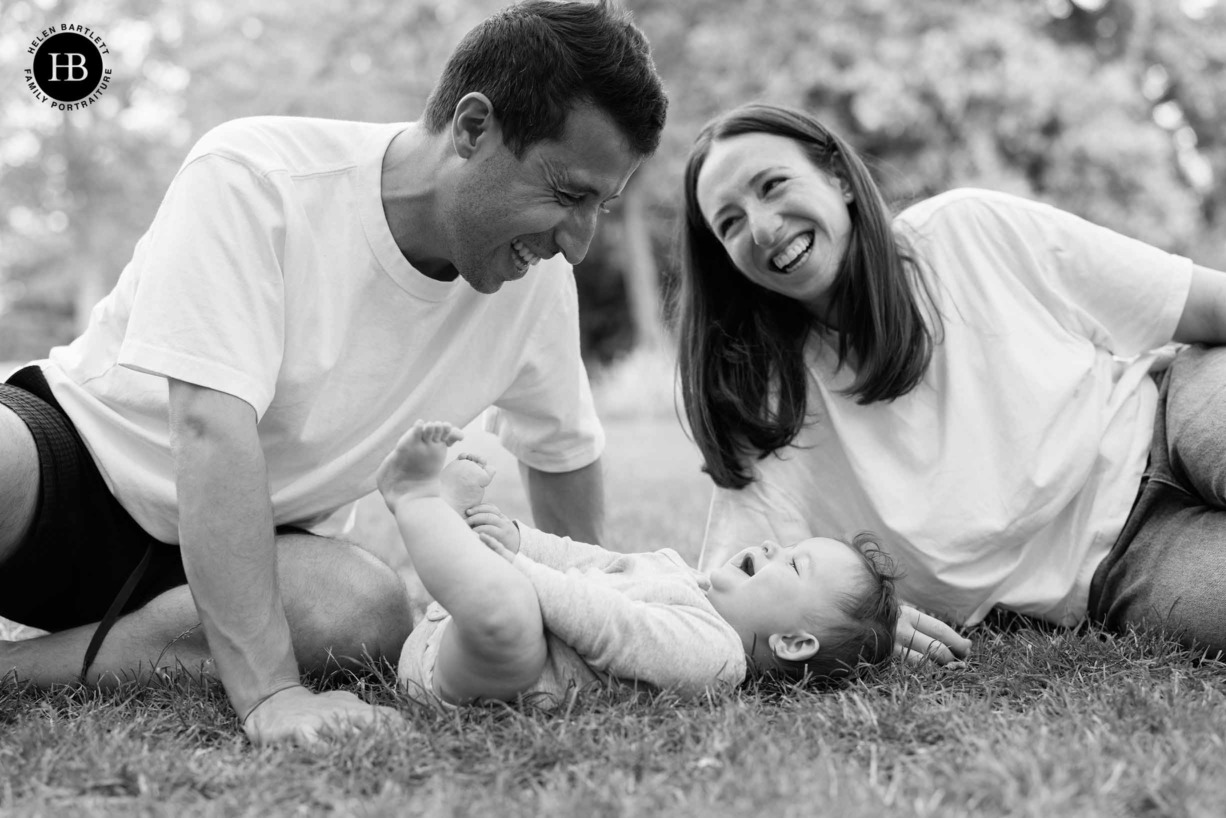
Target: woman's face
[782,221]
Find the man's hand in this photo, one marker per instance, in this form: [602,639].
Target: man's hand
[918,636]
[296,714]
[488,520]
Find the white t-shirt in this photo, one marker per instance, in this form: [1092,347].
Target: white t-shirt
[1006,475]
[270,273]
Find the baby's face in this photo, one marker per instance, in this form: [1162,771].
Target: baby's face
[770,589]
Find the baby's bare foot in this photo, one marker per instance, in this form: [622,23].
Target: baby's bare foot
[464,480]
[413,467]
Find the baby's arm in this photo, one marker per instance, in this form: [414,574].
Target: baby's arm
[539,546]
[495,645]
[676,646]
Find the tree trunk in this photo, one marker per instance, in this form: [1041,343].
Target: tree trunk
[642,274]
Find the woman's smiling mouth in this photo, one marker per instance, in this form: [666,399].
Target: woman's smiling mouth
[792,256]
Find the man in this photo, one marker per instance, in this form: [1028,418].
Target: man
[308,289]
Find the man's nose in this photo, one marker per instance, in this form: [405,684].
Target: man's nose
[574,235]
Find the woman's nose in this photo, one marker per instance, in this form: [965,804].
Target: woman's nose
[765,226]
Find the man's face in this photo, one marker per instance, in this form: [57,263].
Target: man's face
[510,212]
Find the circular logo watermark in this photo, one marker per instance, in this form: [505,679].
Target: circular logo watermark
[69,66]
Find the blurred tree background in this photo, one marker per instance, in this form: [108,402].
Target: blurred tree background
[1114,109]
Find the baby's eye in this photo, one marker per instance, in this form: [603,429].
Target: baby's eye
[794,568]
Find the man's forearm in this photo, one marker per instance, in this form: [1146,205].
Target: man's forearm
[229,552]
[569,504]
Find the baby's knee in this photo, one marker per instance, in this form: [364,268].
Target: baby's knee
[509,627]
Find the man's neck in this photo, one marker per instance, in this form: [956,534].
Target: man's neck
[410,187]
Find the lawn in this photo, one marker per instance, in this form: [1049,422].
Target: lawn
[1043,723]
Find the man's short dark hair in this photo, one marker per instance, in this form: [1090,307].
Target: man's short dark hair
[539,59]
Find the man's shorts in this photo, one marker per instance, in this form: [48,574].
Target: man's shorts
[83,545]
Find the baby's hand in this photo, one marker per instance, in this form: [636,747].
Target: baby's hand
[489,521]
[497,547]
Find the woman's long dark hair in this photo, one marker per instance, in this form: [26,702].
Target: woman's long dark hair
[741,359]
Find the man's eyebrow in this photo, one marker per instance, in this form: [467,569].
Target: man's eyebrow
[563,179]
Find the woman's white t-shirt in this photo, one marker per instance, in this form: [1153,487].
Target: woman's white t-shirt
[1007,474]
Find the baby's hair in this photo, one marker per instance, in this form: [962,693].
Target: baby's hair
[865,636]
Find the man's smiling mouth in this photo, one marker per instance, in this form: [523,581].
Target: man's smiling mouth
[522,256]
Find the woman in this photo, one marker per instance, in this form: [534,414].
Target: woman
[970,379]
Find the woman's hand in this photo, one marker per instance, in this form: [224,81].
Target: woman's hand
[918,636]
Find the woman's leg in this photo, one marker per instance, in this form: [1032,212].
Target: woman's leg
[1168,569]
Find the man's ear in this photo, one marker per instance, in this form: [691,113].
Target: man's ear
[795,647]
[473,123]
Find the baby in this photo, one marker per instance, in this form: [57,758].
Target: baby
[520,611]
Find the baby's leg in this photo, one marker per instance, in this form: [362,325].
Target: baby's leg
[494,646]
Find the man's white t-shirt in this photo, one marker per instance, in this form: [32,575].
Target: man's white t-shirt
[1007,474]
[270,273]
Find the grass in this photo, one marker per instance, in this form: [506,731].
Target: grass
[1043,722]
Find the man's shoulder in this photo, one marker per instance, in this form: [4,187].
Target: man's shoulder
[295,145]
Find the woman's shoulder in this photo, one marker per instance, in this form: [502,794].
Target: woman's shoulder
[976,216]
[960,203]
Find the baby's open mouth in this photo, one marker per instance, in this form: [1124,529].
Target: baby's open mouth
[747,565]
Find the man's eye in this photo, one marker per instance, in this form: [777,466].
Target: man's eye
[568,199]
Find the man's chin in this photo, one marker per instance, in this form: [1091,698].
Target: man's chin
[485,284]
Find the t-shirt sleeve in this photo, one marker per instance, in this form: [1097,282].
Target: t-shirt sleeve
[561,552]
[1122,294]
[547,418]
[208,308]
[684,648]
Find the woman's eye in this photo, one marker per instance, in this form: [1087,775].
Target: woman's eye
[726,225]
[771,184]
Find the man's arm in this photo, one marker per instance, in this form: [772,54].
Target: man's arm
[229,556]
[569,504]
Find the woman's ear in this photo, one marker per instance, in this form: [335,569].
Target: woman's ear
[845,187]
[794,647]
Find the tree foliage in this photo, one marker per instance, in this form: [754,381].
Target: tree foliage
[1113,109]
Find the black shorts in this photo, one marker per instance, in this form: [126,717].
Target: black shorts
[83,545]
